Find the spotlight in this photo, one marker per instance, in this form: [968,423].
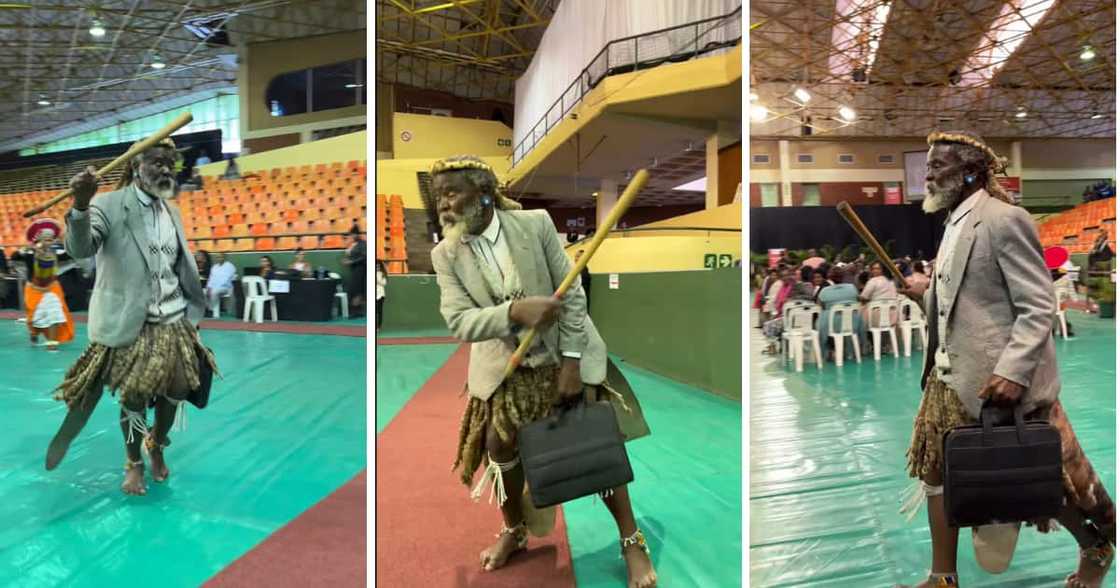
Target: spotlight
[847,113]
[759,113]
[802,95]
[1087,54]
[1096,116]
[97,29]
[1021,114]
[157,63]
[43,102]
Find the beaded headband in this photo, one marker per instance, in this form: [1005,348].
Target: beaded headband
[996,163]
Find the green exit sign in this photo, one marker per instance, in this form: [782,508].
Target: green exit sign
[715,260]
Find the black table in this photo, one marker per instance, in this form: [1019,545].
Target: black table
[306,300]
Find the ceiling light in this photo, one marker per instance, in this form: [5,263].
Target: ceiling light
[1087,54]
[157,63]
[759,113]
[352,86]
[754,97]
[802,95]
[97,29]
[43,102]
[1021,114]
[847,113]
[1096,116]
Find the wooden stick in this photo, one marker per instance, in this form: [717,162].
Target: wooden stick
[853,219]
[181,121]
[605,227]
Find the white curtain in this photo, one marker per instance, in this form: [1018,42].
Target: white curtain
[580,29]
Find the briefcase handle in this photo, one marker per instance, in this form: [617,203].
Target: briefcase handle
[989,414]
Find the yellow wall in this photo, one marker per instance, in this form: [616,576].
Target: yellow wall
[728,216]
[265,61]
[342,148]
[398,176]
[443,136]
[677,252]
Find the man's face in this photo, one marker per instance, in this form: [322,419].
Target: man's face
[155,172]
[944,178]
[876,270]
[818,279]
[221,258]
[457,203]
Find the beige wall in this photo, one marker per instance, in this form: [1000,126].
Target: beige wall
[265,61]
[764,148]
[444,136]
[342,149]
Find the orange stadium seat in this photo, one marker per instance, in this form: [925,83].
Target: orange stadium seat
[221,231]
[240,230]
[258,229]
[284,243]
[333,242]
[309,242]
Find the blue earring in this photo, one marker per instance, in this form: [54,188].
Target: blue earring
[969,179]
[486,201]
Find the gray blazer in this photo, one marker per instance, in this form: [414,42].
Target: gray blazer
[472,314]
[114,232]
[1001,309]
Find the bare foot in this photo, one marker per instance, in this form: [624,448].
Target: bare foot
[159,466]
[134,480]
[508,543]
[1090,571]
[639,568]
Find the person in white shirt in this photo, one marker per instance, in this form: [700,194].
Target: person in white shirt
[220,282]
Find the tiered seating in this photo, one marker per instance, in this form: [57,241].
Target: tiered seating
[1077,228]
[309,207]
[312,207]
[390,232]
[51,177]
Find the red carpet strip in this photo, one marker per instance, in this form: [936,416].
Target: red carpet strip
[277,327]
[429,532]
[324,546]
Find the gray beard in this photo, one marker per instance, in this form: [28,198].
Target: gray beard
[937,200]
[472,222]
[161,193]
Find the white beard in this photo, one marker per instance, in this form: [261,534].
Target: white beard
[475,214]
[936,201]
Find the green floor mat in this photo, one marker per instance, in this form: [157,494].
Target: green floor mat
[401,371]
[827,466]
[284,428]
[686,492]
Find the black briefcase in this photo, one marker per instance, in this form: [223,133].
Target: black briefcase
[995,473]
[577,451]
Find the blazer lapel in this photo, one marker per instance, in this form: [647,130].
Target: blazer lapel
[134,221]
[467,270]
[519,252]
[963,250]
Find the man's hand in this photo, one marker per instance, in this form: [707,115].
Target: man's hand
[570,383]
[535,311]
[1002,392]
[911,292]
[84,186]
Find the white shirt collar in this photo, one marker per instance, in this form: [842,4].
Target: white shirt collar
[143,196]
[964,208]
[491,233]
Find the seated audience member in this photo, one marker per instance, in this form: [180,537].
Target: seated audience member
[820,281]
[814,260]
[220,280]
[878,287]
[829,297]
[202,260]
[300,264]
[779,291]
[1064,291]
[267,270]
[764,295]
[918,280]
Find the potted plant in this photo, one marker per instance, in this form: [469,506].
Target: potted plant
[1104,292]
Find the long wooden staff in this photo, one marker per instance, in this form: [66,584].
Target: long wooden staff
[616,213]
[853,219]
[181,121]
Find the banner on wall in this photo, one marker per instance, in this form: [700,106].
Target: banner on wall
[1012,185]
[776,256]
[892,195]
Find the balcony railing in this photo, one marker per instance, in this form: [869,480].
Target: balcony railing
[630,54]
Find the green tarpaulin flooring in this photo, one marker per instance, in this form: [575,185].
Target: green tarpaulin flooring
[284,429]
[687,488]
[828,465]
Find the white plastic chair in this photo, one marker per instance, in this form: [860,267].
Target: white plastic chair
[787,309]
[911,319]
[879,314]
[846,312]
[1060,313]
[802,330]
[256,296]
[340,295]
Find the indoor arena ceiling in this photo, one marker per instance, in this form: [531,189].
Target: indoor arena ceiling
[1023,68]
[470,48]
[71,61]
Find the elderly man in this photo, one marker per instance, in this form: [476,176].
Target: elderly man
[497,270]
[220,282]
[144,343]
[990,304]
